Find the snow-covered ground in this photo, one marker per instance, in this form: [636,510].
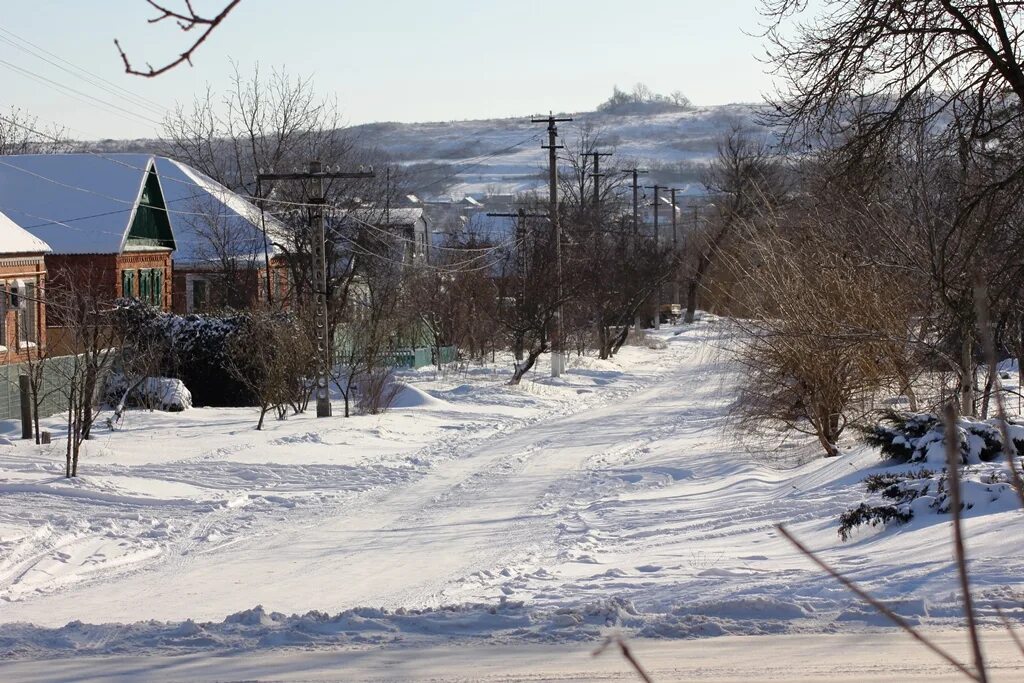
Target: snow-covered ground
[473,515]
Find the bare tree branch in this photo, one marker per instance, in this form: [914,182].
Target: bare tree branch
[186,22]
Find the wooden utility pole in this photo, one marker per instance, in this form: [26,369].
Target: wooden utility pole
[636,173]
[316,174]
[266,239]
[596,175]
[557,350]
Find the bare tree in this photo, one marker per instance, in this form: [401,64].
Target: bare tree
[745,181]
[83,317]
[20,133]
[272,356]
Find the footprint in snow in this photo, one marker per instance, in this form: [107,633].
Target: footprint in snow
[649,568]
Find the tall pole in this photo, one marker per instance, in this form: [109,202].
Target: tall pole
[635,172]
[316,197]
[596,175]
[675,249]
[557,350]
[266,240]
[316,175]
[520,217]
[657,239]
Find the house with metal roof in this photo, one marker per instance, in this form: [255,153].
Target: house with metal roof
[22,281]
[140,226]
[104,218]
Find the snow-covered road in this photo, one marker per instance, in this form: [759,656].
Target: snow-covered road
[616,496]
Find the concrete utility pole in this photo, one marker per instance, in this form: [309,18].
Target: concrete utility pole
[636,173]
[657,296]
[675,248]
[596,175]
[316,174]
[557,351]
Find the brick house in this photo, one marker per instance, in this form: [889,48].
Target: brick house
[103,217]
[22,283]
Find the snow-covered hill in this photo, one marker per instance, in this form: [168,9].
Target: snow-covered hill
[504,156]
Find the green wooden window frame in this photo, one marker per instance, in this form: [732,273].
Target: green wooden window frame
[158,287]
[128,283]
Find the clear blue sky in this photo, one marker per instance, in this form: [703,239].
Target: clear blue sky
[397,60]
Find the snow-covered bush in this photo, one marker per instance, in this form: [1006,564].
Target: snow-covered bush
[920,438]
[165,393]
[191,348]
[157,393]
[899,496]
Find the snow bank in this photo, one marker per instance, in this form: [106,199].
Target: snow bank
[409,396]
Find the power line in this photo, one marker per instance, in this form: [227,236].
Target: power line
[93,79]
[76,94]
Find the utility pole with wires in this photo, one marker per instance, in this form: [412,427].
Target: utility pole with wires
[266,239]
[557,350]
[636,173]
[317,175]
[596,175]
[520,217]
[657,228]
[675,247]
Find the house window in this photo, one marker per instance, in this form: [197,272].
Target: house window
[4,304]
[157,289]
[143,276]
[197,293]
[28,307]
[128,283]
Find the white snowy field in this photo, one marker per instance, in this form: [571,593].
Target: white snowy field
[475,519]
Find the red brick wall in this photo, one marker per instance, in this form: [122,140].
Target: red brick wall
[103,271]
[29,268]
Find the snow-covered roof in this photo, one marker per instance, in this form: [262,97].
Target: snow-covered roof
[76,203]
[85,203]
[390,217]
[15,240]
[203,211]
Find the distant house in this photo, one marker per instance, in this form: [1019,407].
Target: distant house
[408,227]
[22,283]
[104,218]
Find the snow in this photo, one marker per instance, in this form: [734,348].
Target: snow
[84,203]
[474,515]
[14,240]
[76,203]
[504,156]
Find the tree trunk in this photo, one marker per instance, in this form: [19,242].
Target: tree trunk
[691,300]
[522,368]
[966,377]
[517,347]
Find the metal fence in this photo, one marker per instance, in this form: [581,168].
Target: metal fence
[55,374]
[421,357]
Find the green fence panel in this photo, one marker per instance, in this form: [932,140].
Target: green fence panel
[55,381]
